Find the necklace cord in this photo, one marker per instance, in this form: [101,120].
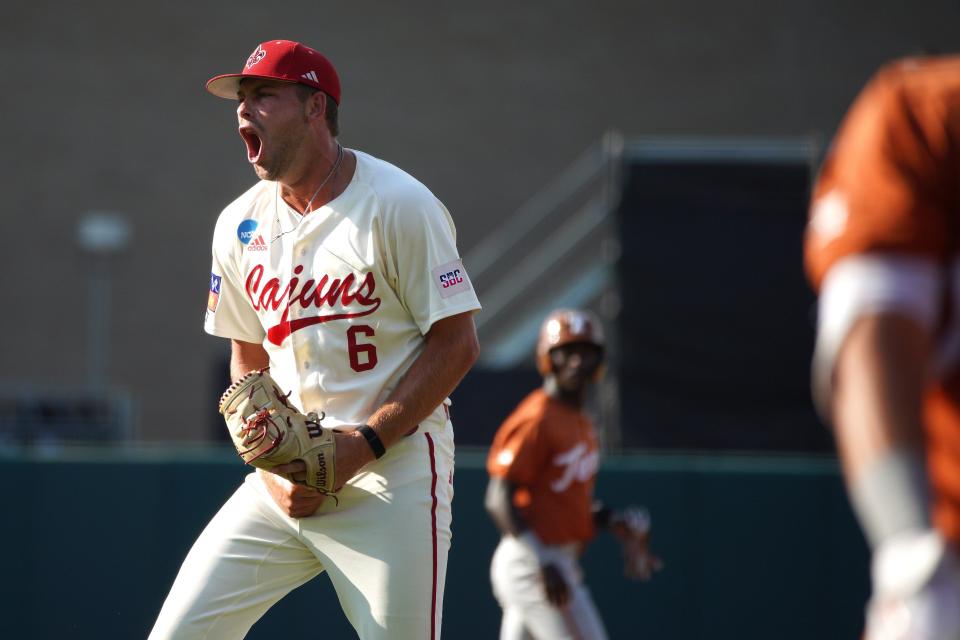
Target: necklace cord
[307,209]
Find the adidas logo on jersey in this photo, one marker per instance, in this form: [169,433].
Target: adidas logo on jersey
[257,244]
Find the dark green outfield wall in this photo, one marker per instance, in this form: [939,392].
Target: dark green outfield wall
[754,548]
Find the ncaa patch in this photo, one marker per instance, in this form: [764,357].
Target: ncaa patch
[246,230]
[451,279]
[214,298]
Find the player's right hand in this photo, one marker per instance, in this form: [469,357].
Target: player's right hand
[558,593]
[295,500]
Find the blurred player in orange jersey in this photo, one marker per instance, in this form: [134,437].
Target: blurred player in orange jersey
[542,467]
[883,248]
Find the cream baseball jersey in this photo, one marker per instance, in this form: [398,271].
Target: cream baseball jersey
[340,298]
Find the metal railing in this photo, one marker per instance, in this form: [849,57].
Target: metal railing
[558,250]
[559,247]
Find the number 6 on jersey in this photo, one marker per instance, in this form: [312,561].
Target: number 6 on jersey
[355,348]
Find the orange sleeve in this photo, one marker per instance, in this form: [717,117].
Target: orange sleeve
[889,183]
[519,450]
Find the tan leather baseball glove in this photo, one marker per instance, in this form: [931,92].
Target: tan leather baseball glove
[268,431]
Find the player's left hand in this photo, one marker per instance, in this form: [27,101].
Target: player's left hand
[295,500]
[557,590]
[353,453]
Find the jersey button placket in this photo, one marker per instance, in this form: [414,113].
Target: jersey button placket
[297,346]
[301,342]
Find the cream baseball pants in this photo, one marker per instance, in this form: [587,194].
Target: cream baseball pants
[384,547]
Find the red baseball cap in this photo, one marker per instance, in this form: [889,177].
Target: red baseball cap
[281,60]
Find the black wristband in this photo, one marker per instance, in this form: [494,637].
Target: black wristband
[373,440]
[602,516]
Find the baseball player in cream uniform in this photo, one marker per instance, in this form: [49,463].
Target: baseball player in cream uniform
[340,272]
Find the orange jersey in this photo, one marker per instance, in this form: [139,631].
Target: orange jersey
[891,184]
[549,451]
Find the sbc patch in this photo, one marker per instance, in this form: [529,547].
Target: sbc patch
[451,279]
[214,298]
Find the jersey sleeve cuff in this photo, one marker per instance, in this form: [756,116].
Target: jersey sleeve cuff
[232,335]
[863,285]
[448,312]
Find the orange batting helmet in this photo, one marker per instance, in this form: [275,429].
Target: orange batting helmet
[566,326]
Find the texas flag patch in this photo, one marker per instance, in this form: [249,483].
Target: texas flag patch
[451,279]
[214,298]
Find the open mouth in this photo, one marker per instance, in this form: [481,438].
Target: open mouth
[254,145]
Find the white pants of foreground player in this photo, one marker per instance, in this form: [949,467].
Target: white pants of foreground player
[384,547]
[527,614]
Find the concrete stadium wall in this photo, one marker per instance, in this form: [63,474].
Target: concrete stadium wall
[754,548]
[103,108]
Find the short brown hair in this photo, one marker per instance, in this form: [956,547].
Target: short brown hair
[332,112]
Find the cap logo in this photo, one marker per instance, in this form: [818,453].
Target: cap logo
[310,75]
[578,324]
[256,56]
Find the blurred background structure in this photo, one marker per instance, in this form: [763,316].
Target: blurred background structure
[649,160]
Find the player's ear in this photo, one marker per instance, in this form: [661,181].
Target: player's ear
[316,106]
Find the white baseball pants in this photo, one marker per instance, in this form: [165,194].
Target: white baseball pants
[527,614]
[384,547]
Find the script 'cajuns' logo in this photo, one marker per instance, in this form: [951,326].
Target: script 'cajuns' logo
[346,298]
[255,57]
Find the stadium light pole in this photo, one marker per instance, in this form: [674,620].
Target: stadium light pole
[101,235]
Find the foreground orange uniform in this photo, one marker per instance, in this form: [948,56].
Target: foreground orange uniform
[891,185]
[549,451]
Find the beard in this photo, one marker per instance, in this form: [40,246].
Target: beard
[279,152]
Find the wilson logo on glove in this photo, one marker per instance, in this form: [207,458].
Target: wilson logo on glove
[314,430]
